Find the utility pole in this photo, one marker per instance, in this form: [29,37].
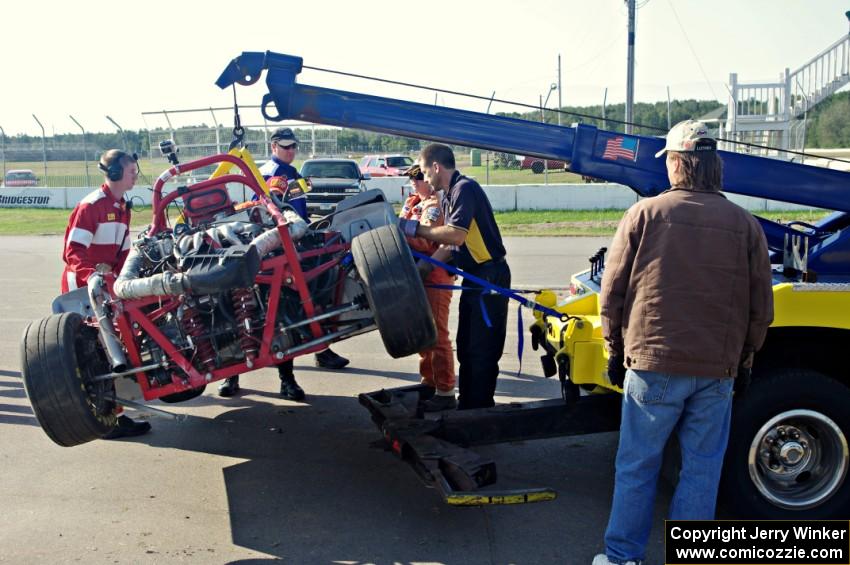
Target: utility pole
[630,73]
[668,109]
[559,89]
[85,149]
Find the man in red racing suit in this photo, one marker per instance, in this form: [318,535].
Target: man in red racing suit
[98,232]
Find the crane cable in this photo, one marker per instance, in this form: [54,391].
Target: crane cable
[565,112]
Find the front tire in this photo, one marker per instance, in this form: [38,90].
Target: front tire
[788,448]
[394,291]
[537,167]
[59,357]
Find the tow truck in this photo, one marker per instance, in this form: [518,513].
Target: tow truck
[788,454]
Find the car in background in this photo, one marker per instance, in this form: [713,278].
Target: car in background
[332,180]
[537,165]
[20,177]
[385,165]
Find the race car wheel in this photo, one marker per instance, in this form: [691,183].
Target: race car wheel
[537,167]
[788,448]
[394,291]
[59,357]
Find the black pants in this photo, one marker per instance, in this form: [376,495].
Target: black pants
[480,347]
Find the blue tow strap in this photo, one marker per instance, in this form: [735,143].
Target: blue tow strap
[494,289]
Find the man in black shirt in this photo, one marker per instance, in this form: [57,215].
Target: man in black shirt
[472,240]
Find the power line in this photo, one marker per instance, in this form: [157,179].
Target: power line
[691,47]
[476,96]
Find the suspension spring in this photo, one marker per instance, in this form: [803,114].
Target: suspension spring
[245,310]
[194,327]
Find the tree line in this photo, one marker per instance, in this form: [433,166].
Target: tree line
[828,126]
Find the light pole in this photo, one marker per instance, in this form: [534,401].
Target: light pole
[43,147]
[3,151]
[85,149]
[552,87]
[121,130]
[559,89]
[487,170]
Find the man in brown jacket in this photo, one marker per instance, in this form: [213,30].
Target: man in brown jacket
[686,301]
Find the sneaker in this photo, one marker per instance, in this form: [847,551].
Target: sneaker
[327,359]
[229,387]
[127,427]
[289,389]
[438,403]
[602,559]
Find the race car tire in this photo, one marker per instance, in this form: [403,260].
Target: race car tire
[59,356]
[394,291]
[184,395]
[787,456]
[537,167]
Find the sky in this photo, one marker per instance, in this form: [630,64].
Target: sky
[90,59]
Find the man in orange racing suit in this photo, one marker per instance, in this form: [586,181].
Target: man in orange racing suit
[436,365]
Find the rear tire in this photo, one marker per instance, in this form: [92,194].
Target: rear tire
[537,167]
[394,291]
[59,356]
[787,456]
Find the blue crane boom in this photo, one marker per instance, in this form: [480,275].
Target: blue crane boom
[583,146]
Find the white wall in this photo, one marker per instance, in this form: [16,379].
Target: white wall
[582,196]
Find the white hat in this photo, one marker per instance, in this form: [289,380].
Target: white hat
[688,136]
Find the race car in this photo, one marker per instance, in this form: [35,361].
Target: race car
[229,288]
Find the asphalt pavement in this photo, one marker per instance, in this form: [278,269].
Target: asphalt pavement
[257,479]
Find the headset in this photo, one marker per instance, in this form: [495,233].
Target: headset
[115,170]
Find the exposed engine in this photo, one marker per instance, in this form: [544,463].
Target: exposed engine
[210,269]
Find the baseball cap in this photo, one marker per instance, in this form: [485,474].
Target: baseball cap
[284,137]
[689,136]
[415,173]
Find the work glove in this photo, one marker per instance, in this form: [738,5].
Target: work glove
[424,268]
[742,381]
[616,369]
[745,374]
[408,227]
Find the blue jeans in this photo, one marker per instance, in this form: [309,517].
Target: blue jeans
[654,406]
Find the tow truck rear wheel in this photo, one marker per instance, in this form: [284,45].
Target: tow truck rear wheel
[394,291]
[59,357]
[788,448]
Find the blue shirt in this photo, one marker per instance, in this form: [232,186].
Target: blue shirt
[467,207]
[277,168]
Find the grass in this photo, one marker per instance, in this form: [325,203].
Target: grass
[40,221]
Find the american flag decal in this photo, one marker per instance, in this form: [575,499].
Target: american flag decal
[621,148]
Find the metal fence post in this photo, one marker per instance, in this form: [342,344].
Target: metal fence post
[85,150]
[43,148]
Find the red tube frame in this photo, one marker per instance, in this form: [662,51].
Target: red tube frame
[276,272]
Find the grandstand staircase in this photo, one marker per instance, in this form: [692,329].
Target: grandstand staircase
[773,113]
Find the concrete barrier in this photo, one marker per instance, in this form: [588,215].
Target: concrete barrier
[595,196]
